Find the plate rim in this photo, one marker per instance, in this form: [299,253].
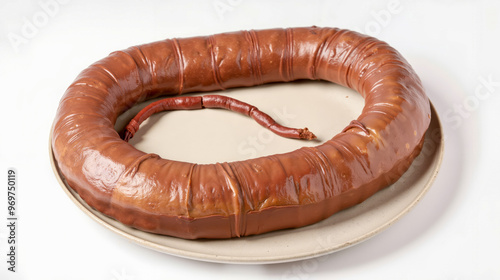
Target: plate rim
[95,215]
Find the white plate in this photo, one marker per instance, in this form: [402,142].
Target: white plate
[217,135]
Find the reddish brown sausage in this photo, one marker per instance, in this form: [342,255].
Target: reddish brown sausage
[223,200]
[214,101]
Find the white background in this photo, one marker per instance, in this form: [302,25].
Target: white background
[453,233]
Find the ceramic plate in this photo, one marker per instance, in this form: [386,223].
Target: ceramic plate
[212,135]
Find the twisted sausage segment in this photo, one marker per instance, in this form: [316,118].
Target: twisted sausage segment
[254,196]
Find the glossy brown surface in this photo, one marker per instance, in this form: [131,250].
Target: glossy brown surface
[249,197]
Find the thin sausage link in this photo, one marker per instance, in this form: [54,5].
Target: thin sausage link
[214,101]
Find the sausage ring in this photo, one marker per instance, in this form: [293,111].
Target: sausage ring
[233,199]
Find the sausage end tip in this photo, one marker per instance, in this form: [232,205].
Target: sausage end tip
[306,134]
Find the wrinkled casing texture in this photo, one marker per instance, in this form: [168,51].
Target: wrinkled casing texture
[253,196]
